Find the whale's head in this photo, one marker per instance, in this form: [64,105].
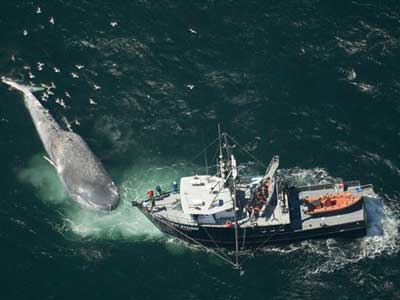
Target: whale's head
[99,196]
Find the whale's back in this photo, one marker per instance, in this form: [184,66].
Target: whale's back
[82,173]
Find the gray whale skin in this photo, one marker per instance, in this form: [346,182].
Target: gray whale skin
[80,171]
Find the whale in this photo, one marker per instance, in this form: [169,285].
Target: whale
[80,171]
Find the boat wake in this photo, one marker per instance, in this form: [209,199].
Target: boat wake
[301,177]
[330,255]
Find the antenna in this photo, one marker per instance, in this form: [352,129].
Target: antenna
[205,154]
[226,144]
[206,162]
[220,143]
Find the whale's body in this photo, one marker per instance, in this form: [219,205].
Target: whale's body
[80,171]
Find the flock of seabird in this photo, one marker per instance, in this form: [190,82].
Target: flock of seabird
[74,75]
[49,88]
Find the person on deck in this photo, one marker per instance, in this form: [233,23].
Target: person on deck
[158,190]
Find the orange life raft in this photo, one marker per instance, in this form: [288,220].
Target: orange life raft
[330,202]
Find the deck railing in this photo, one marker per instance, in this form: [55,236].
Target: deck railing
[327,186]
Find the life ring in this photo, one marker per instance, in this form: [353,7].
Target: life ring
[228,224]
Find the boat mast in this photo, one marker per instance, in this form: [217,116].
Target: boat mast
[236,227]
[233,195]
[220,143]
[221,162]
[205,155]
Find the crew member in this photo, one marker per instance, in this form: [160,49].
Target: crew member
[174,187]
[158,190]
[150,194]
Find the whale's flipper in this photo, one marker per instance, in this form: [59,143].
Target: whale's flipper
[50,162]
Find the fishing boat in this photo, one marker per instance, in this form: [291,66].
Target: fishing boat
[228,211]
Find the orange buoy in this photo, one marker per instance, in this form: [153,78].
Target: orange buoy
[228,224]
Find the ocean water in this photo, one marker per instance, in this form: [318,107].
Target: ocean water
[146,83]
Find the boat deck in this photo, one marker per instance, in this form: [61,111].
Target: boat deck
[352,214]
[169,207]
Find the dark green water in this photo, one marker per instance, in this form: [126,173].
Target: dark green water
[316,81]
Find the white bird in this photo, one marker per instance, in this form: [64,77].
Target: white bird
[77,122]
[25,32]
[13,57]
[48,87]
[40,66]
[57,70]
[97,87]
[52,21]
[74,75]
[190,86]
[113,24]
[91,101]
[31,76]
[38,10]
[351,75]
[27,67]
[79,67]
[61,102]
[50,92]
[192,31]
[67,94]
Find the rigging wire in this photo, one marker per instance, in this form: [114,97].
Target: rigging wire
[200,244]
[219,253]
[205,149]
[253,252]
[215,158]
[247,152]
[215,243]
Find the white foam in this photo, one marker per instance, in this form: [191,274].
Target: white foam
[126,222]
[330,255]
